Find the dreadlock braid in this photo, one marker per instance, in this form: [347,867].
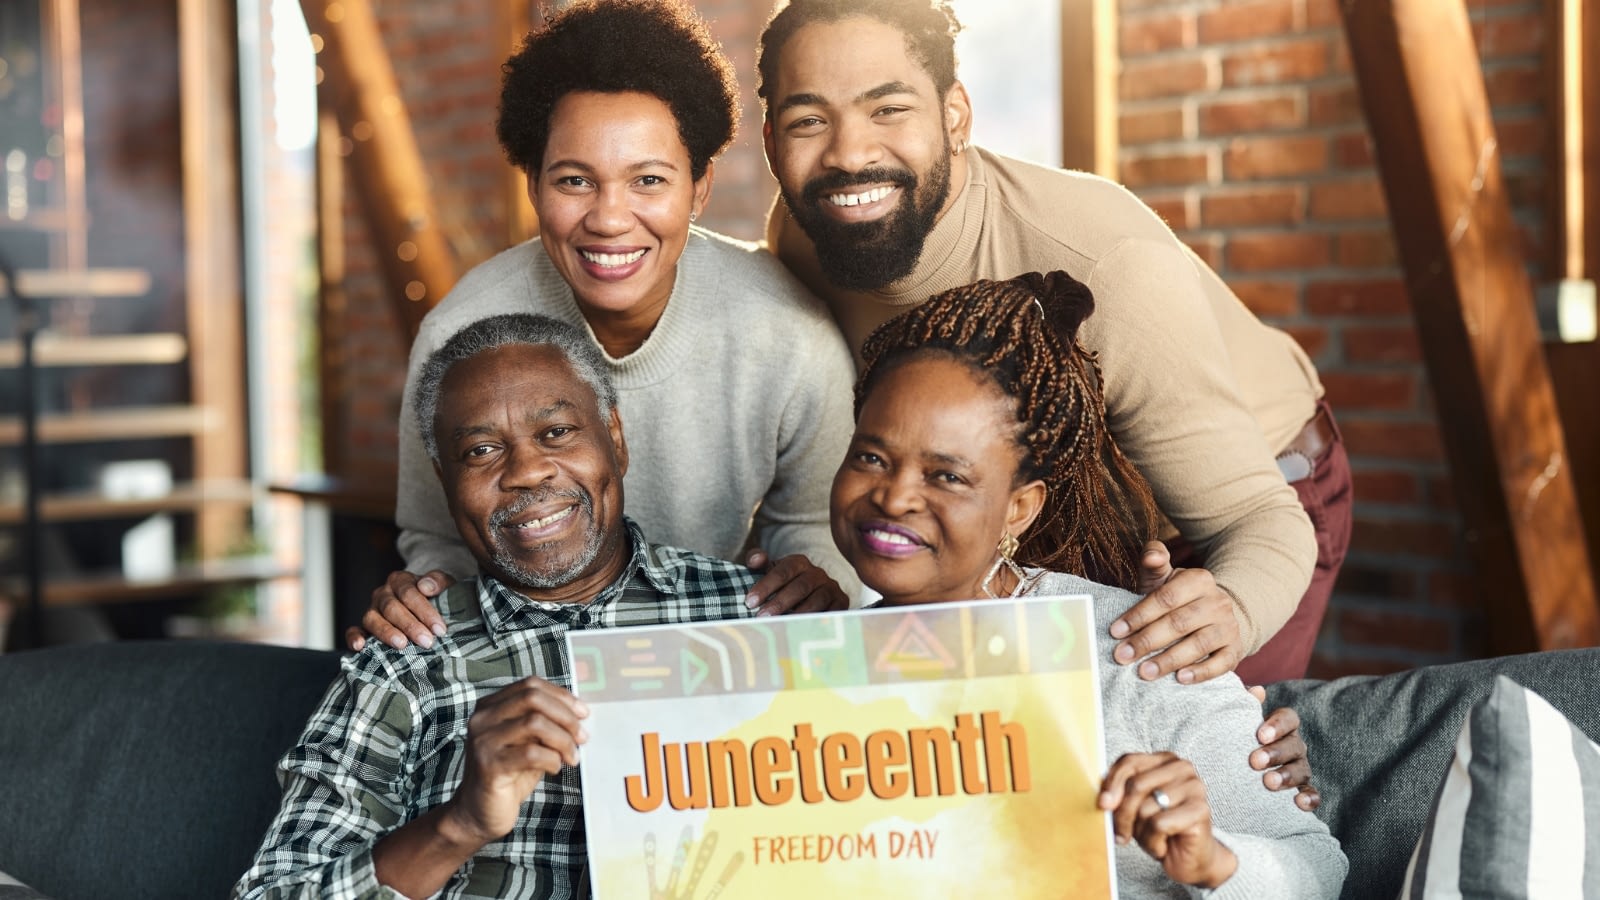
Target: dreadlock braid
[1022,333]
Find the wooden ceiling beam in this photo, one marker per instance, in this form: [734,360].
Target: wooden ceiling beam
[385,165]
[1418,75]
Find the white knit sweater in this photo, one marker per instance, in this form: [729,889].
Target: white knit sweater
[736,409]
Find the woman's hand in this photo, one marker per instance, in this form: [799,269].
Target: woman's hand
[1282,756]
[1184,611]
[402,607]
[1159,800]
[793,584]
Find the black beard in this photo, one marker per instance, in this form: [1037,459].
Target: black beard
[865,256]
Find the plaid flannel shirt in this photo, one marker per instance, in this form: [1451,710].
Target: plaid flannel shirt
[388,742]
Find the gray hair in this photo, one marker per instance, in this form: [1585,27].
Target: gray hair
[507,331]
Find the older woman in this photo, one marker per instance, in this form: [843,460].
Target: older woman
[981,462]
[732,378]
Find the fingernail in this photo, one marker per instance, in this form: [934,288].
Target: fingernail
[1148,671]
[583,735]
[751,601]
[1274,780]
[582,709]
[425,642]
[426,584]
[438,629]
[1119,629]
[1121,839]
[1268,734]
[1258,759]
[1186,676]
[398,643]
[1125,653]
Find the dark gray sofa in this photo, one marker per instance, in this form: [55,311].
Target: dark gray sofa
[145,770]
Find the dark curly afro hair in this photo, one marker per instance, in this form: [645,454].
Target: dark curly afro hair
[655,47]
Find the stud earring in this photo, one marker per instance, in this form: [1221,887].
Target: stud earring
[693,216]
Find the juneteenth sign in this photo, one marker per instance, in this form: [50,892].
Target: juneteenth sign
[948,750]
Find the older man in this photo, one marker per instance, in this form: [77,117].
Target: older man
[886,202]
[451,769]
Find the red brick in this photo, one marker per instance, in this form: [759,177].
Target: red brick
[1380,391]
[1353,151]
[1157,32]
[1385,628]
[1312,338]
[1506,36]
[1275,64]
[1240,21]
[1340,64]
[1349,199]
[1383,582]
[1206,246]
[1370,297]
[1336,105]
[1172,208]
[1522,137]
[1247,159]
[1264,113]
[1165,168]
[1390,487]
[1268,298]
[1514,85]
[1275,205]
[1381,439]
[1147,126]
[1381,344]
[1280,251]
[1322,14]
[1366,250]
[1324,666]
[1163,78]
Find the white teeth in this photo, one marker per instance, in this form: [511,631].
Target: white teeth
[553,517]
[890,537]
[872,196]
[611,259]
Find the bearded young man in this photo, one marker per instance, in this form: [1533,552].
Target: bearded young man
[885,202]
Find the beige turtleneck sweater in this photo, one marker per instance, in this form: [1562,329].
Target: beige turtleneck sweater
[1199,393]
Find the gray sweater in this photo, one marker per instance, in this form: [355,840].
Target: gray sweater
[1284,853]
[736,409]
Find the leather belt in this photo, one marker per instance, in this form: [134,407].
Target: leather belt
[1298,460]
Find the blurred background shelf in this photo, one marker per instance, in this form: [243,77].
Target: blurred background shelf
[100,350]
[186,580]
[82,506]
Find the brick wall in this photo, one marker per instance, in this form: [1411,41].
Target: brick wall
[1240,124]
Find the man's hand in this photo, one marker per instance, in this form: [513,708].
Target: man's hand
[402,607]
[1282,755]
[1159,800]
[1188,614]
[1155,567]
[792,585]
[516,736]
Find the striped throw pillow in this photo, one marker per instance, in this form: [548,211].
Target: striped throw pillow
[1518,815]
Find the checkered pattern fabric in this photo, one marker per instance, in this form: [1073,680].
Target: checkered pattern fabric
[388,742]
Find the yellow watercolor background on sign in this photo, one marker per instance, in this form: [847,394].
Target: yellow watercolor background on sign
[1047,842]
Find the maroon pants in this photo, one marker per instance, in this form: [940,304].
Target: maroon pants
[1326,496]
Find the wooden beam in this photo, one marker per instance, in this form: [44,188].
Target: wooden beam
[1089,66]
[1418,74]
[385,165]
[1590,123]
[521,221]
[213,245]
[332,387]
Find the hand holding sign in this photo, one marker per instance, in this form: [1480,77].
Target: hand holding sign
[516,736]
